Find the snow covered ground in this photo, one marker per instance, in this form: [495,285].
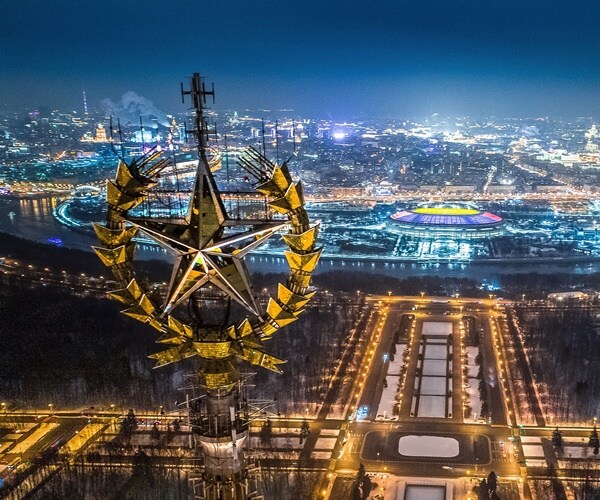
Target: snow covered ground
[531,439]
[388,397]
[291,442]
[428,446]
[435,367]
[329,432]
[433,386]
[34,437]
[325,443]
[390,393]
[473,398]
[532,462]
[80,439]
[419,492]
[394,366]
[290,454]
[577,452]
[436,351]
[472,391]
[472,353]
[533,451]
[432,407]
[417,488]
[437,328]
[574,440]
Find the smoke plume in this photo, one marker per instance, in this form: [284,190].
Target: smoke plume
[131,106]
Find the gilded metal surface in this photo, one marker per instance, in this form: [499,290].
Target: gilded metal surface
[303,262]
[293,199]
[281,316]
[114,237]
[119,199]
[205,256]
[302,242]
[290,299]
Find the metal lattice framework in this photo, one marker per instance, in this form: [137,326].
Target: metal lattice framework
[207,253]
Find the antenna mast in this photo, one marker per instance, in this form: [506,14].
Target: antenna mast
[142,133]
[277,141]
[85,108]
[264,148]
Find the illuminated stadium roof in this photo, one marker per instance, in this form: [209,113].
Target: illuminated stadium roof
[446,219]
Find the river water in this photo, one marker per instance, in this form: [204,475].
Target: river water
[32,219]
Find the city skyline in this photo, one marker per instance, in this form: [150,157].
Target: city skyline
[340,60]
[410,190]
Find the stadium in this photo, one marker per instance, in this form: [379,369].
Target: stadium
[456,221]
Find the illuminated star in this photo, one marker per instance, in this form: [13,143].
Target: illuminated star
[204,252]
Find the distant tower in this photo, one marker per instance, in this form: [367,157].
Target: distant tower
[85,108]
[593,132]
[100,134]
[591,147]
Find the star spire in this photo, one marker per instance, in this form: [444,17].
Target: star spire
[205,251]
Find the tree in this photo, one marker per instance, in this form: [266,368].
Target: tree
[176,425]
[484,410]
[155,433]
[362,484]
[482,490]
[128,425]
[492,482]
[304,430]
[557,437]
[482,390]
[266,432]
[594,441]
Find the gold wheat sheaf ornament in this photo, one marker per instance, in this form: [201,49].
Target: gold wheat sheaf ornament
[207,255]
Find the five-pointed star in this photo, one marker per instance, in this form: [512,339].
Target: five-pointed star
[204,252]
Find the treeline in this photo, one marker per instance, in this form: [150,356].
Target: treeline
[144,481]
[66,350]
[68,259]
[535,285]
[71,351]
[381,284]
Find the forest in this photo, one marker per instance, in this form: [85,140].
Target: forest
[564,350]
[72,351]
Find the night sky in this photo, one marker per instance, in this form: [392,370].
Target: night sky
[403,58]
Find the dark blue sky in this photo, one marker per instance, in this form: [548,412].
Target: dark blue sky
[398,58]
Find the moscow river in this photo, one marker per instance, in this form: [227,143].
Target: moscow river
[33,219]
